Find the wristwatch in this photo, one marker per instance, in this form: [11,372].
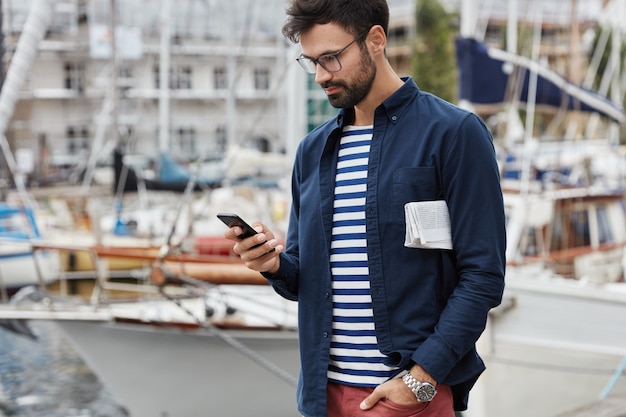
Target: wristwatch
[424,391]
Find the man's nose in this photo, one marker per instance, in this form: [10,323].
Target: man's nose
[322,74]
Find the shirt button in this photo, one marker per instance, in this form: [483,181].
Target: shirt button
[325,334]
[327,295]
[394,118]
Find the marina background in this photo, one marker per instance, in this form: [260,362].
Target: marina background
[230,88]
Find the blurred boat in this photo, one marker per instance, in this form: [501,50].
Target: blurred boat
[563,316]
[178,351]
[565,284]
[19,264]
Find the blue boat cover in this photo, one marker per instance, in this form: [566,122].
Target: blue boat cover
[483,80]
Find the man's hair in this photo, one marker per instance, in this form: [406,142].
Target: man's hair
[355,16]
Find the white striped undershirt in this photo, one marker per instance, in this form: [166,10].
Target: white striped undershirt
[354,355]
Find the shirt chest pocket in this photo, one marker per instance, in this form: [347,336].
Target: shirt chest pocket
[414,184]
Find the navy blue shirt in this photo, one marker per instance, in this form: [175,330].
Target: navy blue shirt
[430,305]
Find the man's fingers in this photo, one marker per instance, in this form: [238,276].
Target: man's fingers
[371,400]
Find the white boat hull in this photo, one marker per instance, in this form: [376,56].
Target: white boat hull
[19,268]
[565,314]
[552,346]
[155,371]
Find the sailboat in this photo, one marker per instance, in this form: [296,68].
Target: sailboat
[563,316]
[19,264]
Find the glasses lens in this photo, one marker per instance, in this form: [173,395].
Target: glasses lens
[330,62]
[307,64]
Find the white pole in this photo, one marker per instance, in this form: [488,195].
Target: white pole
[511,27]
[531,104]
[115,128]
[617,95]
[468,18]
[164,77]
[37,22]
[231,72]
[468,30]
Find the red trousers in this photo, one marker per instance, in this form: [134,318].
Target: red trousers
[344,400]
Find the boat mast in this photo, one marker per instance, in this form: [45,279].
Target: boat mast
[531,102]
[231,70]
[37,22]
[513,124]
[114,64]
[468,30]
[511,27]
[164,78]
[618,86]
[574,40]
[574,73]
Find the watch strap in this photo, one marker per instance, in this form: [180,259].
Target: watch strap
[424,391]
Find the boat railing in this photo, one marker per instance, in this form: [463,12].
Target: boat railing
[567,262]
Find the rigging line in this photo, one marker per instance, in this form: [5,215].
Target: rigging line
[278,85]
[184,202]
[244,297]
[236,344]
[210,286]
[246,37]
[245,45]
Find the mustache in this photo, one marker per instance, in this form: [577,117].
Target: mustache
[333,84]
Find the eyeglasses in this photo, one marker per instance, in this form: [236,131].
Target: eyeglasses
[330,62]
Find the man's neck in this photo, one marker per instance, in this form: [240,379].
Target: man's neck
[385,84]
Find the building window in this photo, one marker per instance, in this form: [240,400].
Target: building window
[220,139]
[220,78]
[605,233]
[75,76]
[156,75]
[185,139]
[180,77]
[125,71]
[261,79]
[125,75]
[76,139]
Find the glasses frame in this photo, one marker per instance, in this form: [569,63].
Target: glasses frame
[309,64]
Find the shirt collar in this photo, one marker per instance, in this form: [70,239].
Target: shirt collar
[394,106]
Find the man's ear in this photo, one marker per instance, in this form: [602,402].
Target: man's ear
[376,39]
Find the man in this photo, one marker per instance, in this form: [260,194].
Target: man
[371,308]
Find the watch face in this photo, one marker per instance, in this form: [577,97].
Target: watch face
[426,392]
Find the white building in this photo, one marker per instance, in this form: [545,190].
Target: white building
[233,79]
[227,63]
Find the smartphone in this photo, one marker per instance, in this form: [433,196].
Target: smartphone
[231,219]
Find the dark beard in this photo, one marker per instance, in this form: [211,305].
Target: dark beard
[353,94]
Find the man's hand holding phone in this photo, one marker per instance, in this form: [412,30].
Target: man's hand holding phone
[255,244]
